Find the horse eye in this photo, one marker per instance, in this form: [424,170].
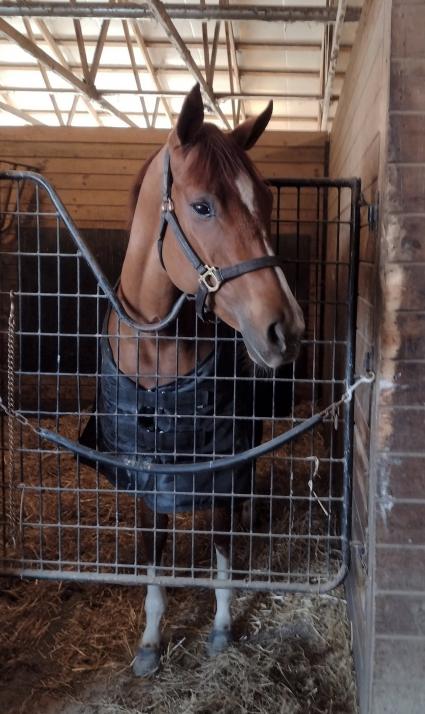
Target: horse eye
[202,208]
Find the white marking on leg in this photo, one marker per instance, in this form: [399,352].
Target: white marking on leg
[155,605]
[223,596]
[246,191]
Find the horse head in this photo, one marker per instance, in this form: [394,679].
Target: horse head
[224,210]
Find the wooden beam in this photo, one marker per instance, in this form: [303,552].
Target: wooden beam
[167,25]
[197,44]
[27,25]
[117,69]
[241,108]
[337,33]
[213,58]
[54,47]
[151,69]
[126,11]
[6,107]
[169,93]
[135,71]
[52,64]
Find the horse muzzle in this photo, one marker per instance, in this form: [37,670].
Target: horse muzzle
[276,346]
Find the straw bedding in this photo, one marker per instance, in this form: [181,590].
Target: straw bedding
[67,647]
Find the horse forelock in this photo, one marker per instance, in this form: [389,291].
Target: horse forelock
[218,161]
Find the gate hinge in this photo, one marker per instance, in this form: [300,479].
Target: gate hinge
[372,212]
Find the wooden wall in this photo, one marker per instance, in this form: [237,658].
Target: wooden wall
[93,169]
[379,135]
[358,146]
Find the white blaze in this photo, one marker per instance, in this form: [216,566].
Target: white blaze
[246,191]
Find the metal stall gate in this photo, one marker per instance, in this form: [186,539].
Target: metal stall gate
[62,518]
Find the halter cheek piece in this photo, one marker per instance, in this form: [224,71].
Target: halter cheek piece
[210,277]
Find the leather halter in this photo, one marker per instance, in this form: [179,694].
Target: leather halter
[211,278]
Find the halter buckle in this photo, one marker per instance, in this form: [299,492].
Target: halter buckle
[167,205]
[210,278]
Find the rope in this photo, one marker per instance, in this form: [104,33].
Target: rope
[144,464]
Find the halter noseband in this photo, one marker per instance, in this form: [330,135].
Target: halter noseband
[210,277]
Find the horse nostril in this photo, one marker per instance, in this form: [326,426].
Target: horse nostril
[276,335]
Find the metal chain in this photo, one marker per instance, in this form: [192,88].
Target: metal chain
[11,509]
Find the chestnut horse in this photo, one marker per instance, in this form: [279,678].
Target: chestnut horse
[201,195]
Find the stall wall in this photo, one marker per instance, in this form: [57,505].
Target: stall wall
[379,135]
[357,148]
[93,169]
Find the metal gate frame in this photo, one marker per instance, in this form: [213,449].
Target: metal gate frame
[347,404]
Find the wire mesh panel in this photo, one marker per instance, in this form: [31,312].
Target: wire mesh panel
[69,515]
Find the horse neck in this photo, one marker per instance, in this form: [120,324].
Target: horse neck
[148,295]
[145,286]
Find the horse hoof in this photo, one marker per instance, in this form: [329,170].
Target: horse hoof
[146,661]
[218,640]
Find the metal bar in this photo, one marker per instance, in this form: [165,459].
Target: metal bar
[337,34]
[127,11]
[90,259]
[348,433]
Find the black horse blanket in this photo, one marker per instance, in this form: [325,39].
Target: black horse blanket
[200,416]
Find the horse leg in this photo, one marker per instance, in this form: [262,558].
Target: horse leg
[221,633]
[148,654]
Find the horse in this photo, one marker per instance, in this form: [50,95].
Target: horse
[201,217]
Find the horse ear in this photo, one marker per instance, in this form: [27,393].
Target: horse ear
[191,116]
[248,133]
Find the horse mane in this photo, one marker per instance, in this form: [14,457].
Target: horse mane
[135,189]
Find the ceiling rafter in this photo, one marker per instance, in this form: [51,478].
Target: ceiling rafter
[151,69]
[194,43]
[6,106]
[27,25]
[54,47]
[87,89]
[163,18]
[135,71]
[169,93]
[214,49]
[336,39]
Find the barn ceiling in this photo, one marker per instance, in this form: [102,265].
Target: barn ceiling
[102,63]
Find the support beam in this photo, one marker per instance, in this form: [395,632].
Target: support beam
[151,69]
[135,71]
[162,17]
[6,107]
[169,93]
[337,33]
[52,64]
[127,11]
[43,72]
[54,47]
[193,43]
